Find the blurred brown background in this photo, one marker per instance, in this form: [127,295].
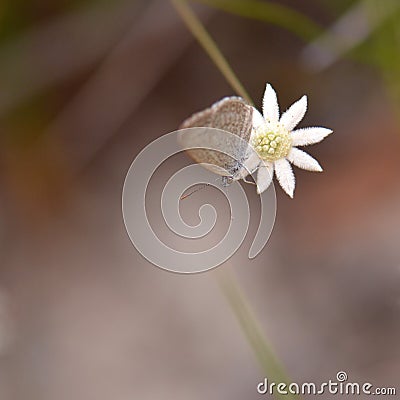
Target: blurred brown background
[84,86]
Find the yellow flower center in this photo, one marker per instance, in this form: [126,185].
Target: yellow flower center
[272,143]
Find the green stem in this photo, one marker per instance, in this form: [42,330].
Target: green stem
[200,33]
[270,12]
[253,332]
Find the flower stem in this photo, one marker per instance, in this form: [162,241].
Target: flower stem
[228,284]
[200,33]
[270,365]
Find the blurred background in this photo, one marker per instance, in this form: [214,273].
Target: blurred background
[84,86]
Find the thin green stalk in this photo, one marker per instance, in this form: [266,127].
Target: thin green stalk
[253,332]
[200,33]
[272,13]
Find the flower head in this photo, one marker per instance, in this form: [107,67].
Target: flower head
[275,141]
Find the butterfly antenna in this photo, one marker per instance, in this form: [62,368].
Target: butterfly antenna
[183,197]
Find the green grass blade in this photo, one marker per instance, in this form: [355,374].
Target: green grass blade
[273,13]
[200,33]
[271,367]
[252,331]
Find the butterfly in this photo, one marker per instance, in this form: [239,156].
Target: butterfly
[227,155]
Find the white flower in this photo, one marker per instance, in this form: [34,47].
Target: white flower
[276,142]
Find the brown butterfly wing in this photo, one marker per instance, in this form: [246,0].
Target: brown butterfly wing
[230,114]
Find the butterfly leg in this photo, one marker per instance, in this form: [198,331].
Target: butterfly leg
[226,181]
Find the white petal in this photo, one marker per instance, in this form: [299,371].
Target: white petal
[285,176]
[270,104]
[250,164]
[264,176]
[258,120]
[294,114]
[303,160]
[306,136]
